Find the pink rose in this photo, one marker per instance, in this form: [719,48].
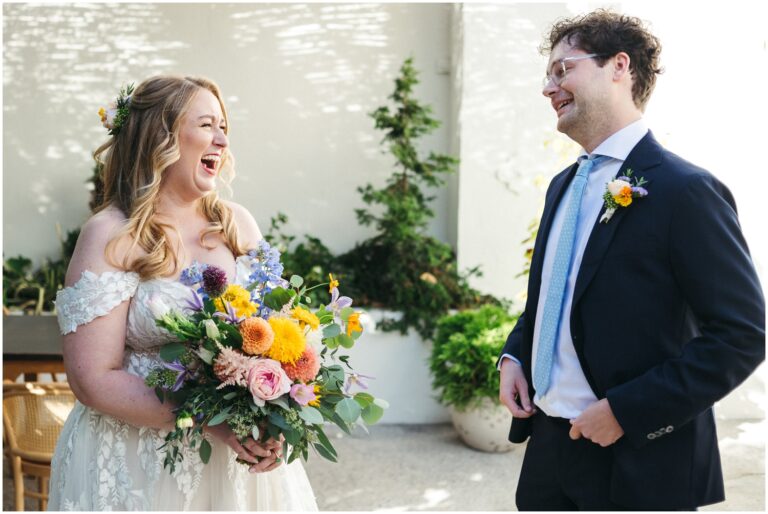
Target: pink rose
[267,381]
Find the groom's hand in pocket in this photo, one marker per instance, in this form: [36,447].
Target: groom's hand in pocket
[598,424]
[513,390]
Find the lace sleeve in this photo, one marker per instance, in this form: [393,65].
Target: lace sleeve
[93,296]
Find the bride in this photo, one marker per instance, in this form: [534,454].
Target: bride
[160,213]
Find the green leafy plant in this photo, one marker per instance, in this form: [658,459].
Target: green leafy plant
[401,267]
[33,290]
[464,354]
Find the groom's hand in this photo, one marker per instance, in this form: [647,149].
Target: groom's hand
[513,387]
[598,424]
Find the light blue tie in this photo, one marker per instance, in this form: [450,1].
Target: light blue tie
[553,305]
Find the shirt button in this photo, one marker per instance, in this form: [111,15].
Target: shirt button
[651,436]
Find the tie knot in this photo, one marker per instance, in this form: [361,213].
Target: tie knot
[586,164]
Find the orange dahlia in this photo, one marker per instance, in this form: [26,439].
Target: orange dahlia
[257,335]
[304,369]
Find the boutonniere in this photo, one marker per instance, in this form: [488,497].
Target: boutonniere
[620,192]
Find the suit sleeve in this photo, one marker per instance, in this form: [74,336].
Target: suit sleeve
[717,279]
[514,341]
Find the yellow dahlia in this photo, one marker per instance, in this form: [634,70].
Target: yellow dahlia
[257,335]
[289,342]
[239,298]
[305,318]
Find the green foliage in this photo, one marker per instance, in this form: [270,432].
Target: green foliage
[310,259]
[34,290]
[400,267]
[463,359]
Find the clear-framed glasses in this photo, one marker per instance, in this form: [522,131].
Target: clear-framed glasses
[558,72]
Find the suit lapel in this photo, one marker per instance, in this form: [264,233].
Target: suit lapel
[645,155]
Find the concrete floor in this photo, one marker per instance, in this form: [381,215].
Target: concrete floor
[426,467]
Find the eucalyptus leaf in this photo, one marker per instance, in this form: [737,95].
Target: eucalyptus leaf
[384,404]
[348,409]
[296,281]
[372,413]
[230,395]
[331,330]
[325,453]
[219,418]
[346,341]
[281,401]
[311,415]
[364,399]
[277,298]
[205,451]
[172,351]
[255,432]
[325,441]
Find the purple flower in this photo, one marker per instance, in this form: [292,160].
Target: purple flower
[639,191]
[338,302]
[195,302]
[356,379]
[303,394]
[183,375]
[231,315]
[214,281]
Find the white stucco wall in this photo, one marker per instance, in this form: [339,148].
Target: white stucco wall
[705,107]
[299,80]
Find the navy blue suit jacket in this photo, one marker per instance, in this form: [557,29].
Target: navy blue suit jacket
[668,317]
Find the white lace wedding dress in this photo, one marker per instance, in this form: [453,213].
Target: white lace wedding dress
[102,463]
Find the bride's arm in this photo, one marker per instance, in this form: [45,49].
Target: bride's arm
[93,355]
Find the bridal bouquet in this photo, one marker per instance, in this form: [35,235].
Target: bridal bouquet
[259,358]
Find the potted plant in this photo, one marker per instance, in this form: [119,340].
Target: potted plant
[463,367]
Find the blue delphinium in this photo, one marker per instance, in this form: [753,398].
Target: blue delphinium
[193,274]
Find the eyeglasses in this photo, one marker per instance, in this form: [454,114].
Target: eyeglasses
[558,74]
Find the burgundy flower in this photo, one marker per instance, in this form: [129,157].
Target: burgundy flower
[214,281]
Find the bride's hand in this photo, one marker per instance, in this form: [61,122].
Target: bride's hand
[264,457]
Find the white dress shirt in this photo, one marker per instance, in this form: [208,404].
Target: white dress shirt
[569,392]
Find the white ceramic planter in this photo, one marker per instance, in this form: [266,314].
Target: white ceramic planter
[400,365]
[484,428]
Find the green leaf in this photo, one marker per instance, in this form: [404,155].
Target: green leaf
[219,418]
[281,401]
[325,441]
[331,330]
[348,410]
[292,437]
[296,281]
[255,432]
[324,453]
[311,415]
[384,404]
[172,351]
[372,413]
[277,298]
[345,341]
[364,399]
[279,421]
[231,395]
[205,451]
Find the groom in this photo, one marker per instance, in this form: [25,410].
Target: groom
[643,308]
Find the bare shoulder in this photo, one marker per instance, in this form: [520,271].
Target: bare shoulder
[90,251]
[248,229]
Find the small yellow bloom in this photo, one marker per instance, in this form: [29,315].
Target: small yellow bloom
[353,323]
[334,283]
[624,198]
[239,298]
[305,318]
[316,401]
[103,114]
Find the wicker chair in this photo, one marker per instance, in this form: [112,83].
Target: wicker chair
[33,415]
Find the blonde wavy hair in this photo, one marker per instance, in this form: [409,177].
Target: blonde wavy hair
[133,164]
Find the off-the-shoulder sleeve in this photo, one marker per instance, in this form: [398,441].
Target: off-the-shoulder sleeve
[93,296]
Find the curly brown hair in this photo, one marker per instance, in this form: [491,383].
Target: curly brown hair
[607,33]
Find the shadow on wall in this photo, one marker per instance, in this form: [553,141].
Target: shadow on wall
[298,79]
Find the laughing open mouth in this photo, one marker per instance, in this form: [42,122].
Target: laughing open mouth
[210,162]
